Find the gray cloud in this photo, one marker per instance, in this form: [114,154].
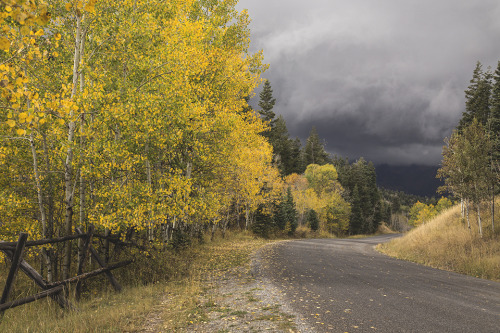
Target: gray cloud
[380,79]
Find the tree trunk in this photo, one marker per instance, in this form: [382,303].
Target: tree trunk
[68,164]
[467,212]
[247,217]
[479,220]
[462,208]
[43,216]
[150,189]
[50,256]
[493,210]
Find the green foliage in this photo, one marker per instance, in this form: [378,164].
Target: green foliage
[266,104]
[285,216]
[494,123]
[263,224]
[180,240]
[477,97]
[466,166]
[314,150]
[312,220]
[360,180]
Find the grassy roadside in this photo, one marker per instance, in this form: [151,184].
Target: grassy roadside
[138,305]
[446,243]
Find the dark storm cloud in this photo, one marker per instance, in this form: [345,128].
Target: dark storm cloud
[380,79]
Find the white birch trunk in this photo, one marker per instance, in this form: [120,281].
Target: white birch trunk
[41,206]
[68,164]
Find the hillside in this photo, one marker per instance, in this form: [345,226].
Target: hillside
[445,242]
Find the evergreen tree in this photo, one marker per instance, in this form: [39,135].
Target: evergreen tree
[356,222]
[263,224]
[477,95]
[295,158]
[286,151]
[280,141]
[312,220]
[286,214]
[360,182]
[314,150]
[266,104]
[494,121]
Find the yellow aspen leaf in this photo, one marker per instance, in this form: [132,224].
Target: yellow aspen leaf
[4,44]
[11,123]
[39,32]
[44,17]
[23,115]
[20,131]
[25,30]
[60,121]
[68,6]
[57,36]
[90,8]
[8,9]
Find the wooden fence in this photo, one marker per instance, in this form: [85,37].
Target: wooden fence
[56,290]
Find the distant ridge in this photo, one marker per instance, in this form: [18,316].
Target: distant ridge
[413,179]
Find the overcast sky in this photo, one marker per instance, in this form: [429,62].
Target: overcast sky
[383,79]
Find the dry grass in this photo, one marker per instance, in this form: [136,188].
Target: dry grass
[446,243]
[138,305]
[384,229]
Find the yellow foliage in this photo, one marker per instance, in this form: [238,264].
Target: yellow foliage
[320,190]
[152,121]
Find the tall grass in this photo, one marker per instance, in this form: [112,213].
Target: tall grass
[445,242]
[170,300]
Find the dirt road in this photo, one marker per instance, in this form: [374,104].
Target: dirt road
[344,285]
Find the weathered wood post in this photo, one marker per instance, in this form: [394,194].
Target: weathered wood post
[14,268]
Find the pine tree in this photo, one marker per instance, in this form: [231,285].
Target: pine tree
[295,158]
[494,120]
[477,104]
[291,212]
[312,220]
[314,151]
[356,221]
[266,104]
[264,223]
[279,139]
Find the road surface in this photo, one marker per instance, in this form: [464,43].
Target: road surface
[344,285]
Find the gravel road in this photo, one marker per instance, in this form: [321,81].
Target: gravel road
[344,285]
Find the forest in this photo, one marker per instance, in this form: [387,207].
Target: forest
[135,119]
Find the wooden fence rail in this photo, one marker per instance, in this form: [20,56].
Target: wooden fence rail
[14,252]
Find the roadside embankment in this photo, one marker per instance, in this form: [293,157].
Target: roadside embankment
[447,243]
